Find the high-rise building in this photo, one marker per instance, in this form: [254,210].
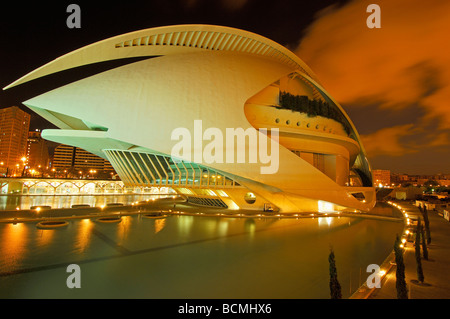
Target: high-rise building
[74,159]
[14,127]
[37,151]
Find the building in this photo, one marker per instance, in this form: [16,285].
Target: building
[76,161]
[14,126]
[421,180]
[381,177]
[406,193]
[161,117]
[37,152]
[399,179]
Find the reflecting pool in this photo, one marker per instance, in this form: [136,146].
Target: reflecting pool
[12,202]
[192,257]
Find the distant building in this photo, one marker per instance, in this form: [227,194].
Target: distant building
[14,127]
[399,178]
[406,193]
[381,177]
[421,180]
[75,160]
[37,151]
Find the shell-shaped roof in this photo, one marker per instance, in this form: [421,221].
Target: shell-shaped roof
[171,40]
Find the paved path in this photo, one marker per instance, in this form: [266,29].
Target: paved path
[436,270]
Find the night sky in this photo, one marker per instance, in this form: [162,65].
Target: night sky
[394,82]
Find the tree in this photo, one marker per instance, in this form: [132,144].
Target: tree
[419,269]
[427,223]
[335,287]
[424,244]
[402,291]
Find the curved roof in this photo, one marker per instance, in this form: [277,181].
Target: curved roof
[179,39]
[171,40]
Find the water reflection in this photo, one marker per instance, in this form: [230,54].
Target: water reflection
[84,234]
[185,224]
[124,227]
[159,224]
[12,202]
[221,257]
[222,227]
[325,221]
[45,237]
[13,245]
[250,226]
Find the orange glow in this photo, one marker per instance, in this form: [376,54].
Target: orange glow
[45,236]
[13,245]
[83,237]
[159,224]
[393,67]
[123,227]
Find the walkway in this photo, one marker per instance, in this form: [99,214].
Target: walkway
[436,269]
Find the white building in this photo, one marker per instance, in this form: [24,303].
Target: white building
[227,78]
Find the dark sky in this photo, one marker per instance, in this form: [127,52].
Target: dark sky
[393,82]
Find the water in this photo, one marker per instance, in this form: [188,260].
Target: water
[192,257]
[12,202]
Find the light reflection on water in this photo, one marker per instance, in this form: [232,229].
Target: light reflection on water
[12,202]
[192,257]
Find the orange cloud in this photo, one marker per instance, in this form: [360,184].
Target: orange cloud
[387,141]
[405,62]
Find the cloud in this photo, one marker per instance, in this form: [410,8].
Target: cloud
[387,141]
[401,140]
[405,62]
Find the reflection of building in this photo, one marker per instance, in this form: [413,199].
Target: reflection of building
[31,186]
[381,177]
[228,78]
[14,126]
[37,151]
[74,158]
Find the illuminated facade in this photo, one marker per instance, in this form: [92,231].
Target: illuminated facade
[381,177]
[74,159]
[228,78]
[14,126]
[37,151]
